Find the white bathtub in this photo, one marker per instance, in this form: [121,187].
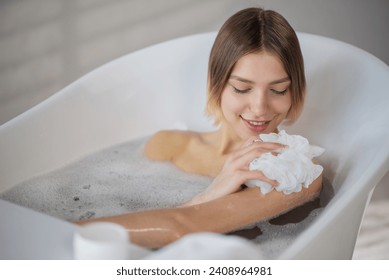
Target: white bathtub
[347,111]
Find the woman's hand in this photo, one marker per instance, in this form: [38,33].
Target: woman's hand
[235,171]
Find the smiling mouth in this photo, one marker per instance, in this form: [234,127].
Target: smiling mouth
[257,123]
[256,126]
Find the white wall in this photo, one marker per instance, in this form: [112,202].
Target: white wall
[46,44]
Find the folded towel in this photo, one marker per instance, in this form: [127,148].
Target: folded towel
[291,167]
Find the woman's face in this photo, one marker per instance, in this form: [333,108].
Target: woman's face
[257,97]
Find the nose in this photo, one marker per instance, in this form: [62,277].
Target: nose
[259,104]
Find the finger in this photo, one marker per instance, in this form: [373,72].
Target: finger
[257,175]
[250,141]
[240,159]
[257,149]
[264,146]
[243,162]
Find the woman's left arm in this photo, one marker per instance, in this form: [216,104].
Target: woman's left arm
[248,206]
[156,228]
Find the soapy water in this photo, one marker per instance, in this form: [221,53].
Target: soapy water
[121,179]
[114,181]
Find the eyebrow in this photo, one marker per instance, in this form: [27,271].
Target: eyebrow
[279,81]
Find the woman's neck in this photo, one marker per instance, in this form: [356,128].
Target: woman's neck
[224,140]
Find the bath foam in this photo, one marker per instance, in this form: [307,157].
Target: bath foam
[121,179]
[275,235]
[275,238]
[114,181]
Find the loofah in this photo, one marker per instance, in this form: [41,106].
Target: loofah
[291,167]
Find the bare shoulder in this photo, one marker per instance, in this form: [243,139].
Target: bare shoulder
[167,144]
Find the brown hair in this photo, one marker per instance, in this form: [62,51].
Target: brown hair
[248,31]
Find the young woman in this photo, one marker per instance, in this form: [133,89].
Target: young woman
[255,82]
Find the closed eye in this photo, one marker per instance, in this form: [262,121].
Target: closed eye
[240,91]
[280,92]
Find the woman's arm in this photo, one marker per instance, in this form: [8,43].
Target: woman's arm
[156,228]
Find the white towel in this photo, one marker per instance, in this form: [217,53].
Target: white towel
[291,167]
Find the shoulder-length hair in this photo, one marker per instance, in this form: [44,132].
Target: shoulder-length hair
[248,31]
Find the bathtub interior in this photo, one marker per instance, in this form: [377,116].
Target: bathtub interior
[127,98]
[163,87]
